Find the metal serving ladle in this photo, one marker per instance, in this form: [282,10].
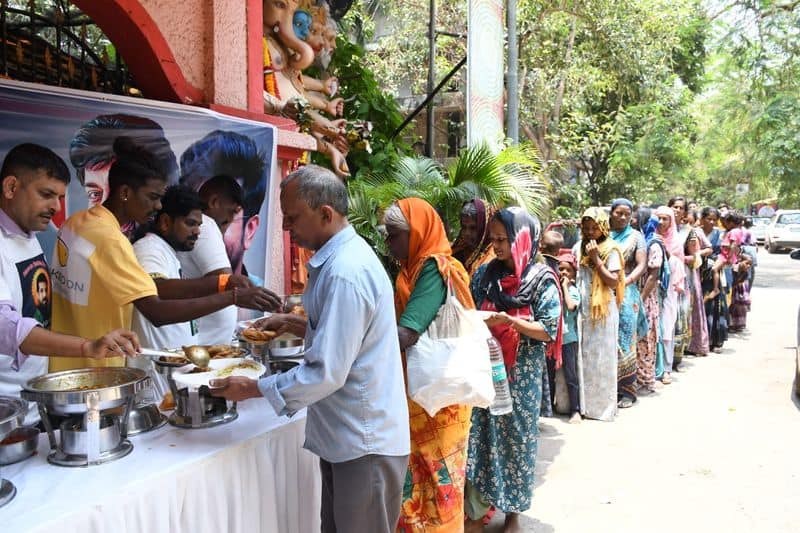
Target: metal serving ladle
[197,355]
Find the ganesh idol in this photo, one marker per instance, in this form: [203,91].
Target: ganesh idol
[285,93]
[314,25]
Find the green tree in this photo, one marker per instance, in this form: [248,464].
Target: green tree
[590,73]
[512,177]
[748,116]
[607,86]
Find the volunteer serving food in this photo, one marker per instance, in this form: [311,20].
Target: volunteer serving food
[97,278]
[34,181]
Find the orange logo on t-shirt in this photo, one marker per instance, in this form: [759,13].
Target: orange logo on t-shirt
[62,251]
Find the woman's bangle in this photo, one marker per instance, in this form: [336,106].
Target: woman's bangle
[235,293]
[222,282]
[83,345]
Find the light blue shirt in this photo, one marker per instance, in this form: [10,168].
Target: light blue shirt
[352,377]
[569,333]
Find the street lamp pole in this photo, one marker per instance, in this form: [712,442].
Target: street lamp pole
[429,140]
[512,77]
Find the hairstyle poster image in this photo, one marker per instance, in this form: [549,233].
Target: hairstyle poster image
[190,145]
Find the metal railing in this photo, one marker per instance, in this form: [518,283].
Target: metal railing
[39,44]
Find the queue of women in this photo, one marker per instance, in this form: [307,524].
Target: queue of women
[641,289]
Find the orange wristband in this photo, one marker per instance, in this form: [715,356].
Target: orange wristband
[222,282]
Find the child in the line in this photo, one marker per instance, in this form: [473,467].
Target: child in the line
[550,246]
[567,269]
[552,242]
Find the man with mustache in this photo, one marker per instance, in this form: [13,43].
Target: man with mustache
[34,180]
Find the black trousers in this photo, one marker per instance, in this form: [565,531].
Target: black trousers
[569,361]
[551,380]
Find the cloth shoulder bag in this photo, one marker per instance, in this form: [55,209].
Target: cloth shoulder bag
[450,364]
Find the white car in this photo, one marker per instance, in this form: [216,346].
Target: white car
[783,230]
[759,228]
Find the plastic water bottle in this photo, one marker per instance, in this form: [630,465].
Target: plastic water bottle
[502,395]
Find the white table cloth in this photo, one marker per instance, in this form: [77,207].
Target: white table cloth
[247,476]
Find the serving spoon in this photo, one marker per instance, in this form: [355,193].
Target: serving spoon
[197,355]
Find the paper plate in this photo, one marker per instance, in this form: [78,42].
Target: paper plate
[252,370]
[484,314]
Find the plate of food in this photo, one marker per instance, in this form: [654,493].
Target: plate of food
[194,377]
[215,351]
[226,351]
[255,335]
[245,324]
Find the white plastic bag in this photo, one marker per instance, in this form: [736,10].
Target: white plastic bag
[450,364]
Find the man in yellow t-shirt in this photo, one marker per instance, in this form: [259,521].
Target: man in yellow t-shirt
[97,280]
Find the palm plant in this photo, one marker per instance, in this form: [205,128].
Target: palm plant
[512,177]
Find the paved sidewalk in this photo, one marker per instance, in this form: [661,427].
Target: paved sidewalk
[716,451]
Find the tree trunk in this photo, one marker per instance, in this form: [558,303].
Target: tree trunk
[562,83]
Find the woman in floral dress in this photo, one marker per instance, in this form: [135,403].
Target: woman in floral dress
[655,283]
[524,297]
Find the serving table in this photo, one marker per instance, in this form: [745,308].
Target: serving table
[251,475]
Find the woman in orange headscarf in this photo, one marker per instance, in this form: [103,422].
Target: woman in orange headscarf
[433,495]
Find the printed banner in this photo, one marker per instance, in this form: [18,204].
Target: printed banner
[485,72]
[194,144]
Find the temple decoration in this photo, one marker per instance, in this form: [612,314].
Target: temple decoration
[287,91]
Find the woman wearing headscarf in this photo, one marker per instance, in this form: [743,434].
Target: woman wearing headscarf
[683,330]
[670,309]
[654,283]
[696,244]
[715,301]
[632,319]
[523,296]
[601,280]
[740,290]
[433,495]
[472,246]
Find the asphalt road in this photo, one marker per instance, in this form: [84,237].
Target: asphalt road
[718,450]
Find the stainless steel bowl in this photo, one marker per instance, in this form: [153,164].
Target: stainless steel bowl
[68,392]
[144,418]
[23,444]
[276,367]
[73,436]
[286,347]
[12,414]
[259,350]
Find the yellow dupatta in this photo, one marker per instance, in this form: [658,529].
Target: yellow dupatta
[600,294]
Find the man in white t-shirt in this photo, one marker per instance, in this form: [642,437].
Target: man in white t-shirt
[222,196]
[175,228]
[34,181]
